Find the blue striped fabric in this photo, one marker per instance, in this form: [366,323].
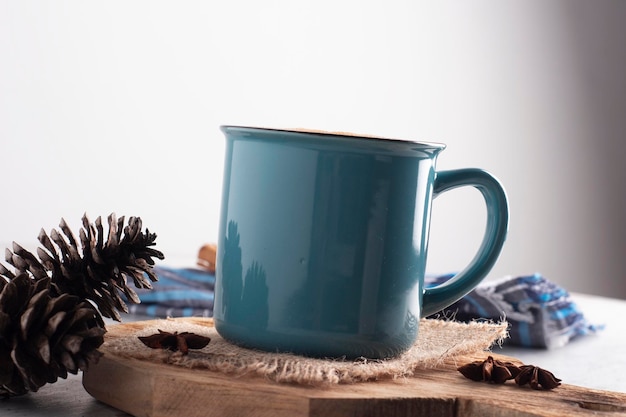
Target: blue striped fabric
[540,313]
[179,292]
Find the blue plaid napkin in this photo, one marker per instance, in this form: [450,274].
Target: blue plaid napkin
[179,292]
[540,313]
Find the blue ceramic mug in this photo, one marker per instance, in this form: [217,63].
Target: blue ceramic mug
[323,241]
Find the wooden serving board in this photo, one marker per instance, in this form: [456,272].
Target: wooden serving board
[148,389]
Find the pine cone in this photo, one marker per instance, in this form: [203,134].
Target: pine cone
[99,269]
[43,336]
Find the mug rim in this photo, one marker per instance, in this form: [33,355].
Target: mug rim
[332,134]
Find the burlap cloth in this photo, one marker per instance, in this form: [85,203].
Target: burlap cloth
[438,340]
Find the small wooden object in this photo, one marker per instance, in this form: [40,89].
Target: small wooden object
[207,255]
[146,389]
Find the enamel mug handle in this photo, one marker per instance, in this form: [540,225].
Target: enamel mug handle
[441,296]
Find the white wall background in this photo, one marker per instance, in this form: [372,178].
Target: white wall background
[115,107]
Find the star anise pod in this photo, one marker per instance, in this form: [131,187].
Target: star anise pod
[490,370]
[175,341]
[537,378]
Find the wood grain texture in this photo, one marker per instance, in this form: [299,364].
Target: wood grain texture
[148,389]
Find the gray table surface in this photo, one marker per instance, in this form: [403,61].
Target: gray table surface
[591,361]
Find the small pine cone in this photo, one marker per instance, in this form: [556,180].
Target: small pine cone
[43,336]
[97,266]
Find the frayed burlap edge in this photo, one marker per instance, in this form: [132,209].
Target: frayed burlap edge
[438,340]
